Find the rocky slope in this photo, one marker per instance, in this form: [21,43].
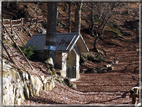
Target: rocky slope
[19,85]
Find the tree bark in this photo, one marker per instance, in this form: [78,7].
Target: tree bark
[95,44]
[78,17]
[128,9]
[51,29]
[69,30]
[92,21]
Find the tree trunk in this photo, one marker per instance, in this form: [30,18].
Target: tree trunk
[69,30]
[51,29]
[92,21]
[128,10]
[78,17]
[95,44]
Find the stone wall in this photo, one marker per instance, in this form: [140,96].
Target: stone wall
[77,66]
[64,64]
[18,86]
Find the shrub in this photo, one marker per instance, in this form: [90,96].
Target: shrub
[29,51]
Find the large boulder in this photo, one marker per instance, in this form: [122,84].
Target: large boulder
[37,84]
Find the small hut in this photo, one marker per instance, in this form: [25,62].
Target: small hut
[68,49]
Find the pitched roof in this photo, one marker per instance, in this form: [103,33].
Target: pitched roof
[65,42]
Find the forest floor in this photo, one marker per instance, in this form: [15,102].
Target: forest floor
[100,88]
[95,88]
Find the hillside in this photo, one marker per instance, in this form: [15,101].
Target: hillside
[121,42]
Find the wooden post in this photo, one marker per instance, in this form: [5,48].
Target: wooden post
[18,47]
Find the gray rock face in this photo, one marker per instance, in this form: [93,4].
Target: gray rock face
[18,86]
[49,61]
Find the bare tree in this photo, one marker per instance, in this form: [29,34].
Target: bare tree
[100,14]
[69,30]
[91,25]
[78,16]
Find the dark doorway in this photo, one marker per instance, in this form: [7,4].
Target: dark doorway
[71,65]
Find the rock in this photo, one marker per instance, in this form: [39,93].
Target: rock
[18,86]
[116,61]
[137,49]
[94,70]
[110,68]
[108,65]
[111,63]
[37,84]
[67,81]
[6,66]
[83,71]
[49,61]
[104,71]
[73,86]
[99,69]
[6,83]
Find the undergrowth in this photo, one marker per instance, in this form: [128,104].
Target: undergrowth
[29,51]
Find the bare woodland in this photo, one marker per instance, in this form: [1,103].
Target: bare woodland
[108,72]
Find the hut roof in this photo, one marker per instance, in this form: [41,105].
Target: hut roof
[65,42]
